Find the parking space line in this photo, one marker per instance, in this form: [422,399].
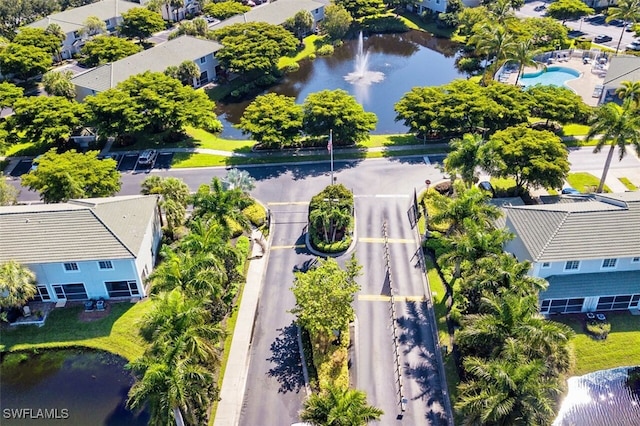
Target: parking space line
[383,298]
[294,246]
[381,240]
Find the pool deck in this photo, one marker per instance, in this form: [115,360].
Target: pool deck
[583,85]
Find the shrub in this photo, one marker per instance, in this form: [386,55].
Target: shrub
[337,247]
[436,244]
[326,50]
[598,330]
[292,67]
[312,56]
[234,228]
[256,214]
[243,245]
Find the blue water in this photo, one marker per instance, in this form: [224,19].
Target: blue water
[601,398]
[553,76]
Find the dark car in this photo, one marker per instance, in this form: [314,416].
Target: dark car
[601,38]
[570,191]
[540,8]
[486,186]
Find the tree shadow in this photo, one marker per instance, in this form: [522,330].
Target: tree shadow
[286,356]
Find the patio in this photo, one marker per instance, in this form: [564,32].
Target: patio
[39,312]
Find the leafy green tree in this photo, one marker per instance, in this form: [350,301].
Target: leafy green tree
[195,28]
[336,406]
[501,392]
[324,296]
[37,37]
[628,90]
[273,120]
[417,109]
[564,10]
[300,24]
[225,9]
[532,157]
[14,13]
[114,113]
[58,83]
[17,284]
[24,61]
[93,26]
[626,11]
[254,46]
[140,23]
[501,10]
[616,126]
[544,33]
[9,94]
[8,194]
[363,8]
[61,177]
[559,104]
[473,17]
[463,159]
[188,71]
[103,49]
[337,21]
[48,120]
[337,110]
[239,179]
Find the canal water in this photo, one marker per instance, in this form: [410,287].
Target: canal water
[66,388]
[406,60]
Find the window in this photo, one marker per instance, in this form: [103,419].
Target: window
[544,307]
[621,302]
[70,291]
[634,301]
[105,264]
[635,260]
[121,288]
[546,265]
[609,263]
[572,265]
[71,266]
[203,60]
[42,295]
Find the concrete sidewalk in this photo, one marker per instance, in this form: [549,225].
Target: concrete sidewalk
[235,374]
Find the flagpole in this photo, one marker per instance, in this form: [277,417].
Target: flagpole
[331,150]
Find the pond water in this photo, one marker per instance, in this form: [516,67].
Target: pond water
[600,398]
[402,60]
[67,387]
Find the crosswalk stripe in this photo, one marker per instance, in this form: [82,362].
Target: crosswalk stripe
[383,298]
[381,240]
[288,247]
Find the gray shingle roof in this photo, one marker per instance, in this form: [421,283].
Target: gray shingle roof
[156,59]
[590,285]
[622,68]
[91,229]
[72,19]
[273,13]
[582,230]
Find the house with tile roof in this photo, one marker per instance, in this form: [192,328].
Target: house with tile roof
[276,13]
[72,20]
[157,59]
[621,68]
[586,246]
[84,249]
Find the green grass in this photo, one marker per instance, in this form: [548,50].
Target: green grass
[116,333]
[585,182]
[414,22]
[552,191]
[574,129]
[619,349]
[626,182]
[376,141]
[28,149]
[311,44]
[502,186]
[203,139]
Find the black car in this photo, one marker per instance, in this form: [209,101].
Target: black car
[602,38]
[540,8]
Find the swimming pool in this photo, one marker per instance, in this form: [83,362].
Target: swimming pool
[552,76]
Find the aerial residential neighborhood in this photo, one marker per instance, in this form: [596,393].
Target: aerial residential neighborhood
[320,212]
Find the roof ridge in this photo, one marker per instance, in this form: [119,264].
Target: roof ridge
[111,232]
[553,234]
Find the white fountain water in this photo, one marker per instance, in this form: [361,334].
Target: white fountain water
[361,74]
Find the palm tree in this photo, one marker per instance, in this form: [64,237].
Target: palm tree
[213,201]
[239,179]
[501,10]
[58,83]
[175,198]
[93,26]
[496,43]
[504,392]
[629,90]
[627,11]
[463,158]
[466,203]
[338,406]
[17,284]
[524,54]
[56,30]
[320,219]
[617,126]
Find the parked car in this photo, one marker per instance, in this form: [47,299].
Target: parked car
[34,163]
[147,157]
[486,186]
[617,22]
[540,8]
[634,45]
[570,191]
[629,27]
[601,38]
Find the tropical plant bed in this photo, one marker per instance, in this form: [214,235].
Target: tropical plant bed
[331,219]
[599,330]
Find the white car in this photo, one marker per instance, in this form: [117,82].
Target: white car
[148,156]
[634,45]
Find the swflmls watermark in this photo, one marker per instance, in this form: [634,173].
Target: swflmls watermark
[36,413]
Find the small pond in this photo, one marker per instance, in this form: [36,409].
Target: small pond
[75,388]
[600,398]
[407,60]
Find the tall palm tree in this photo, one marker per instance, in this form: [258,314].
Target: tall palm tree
[627,11]
[338,406]
[617,126]
[17,284]
[501,10]
[496,43]
[213,201]
[463,158]
[629,90]
[523,53]
[56,30]
[504,392]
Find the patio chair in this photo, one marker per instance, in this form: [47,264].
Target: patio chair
[601,317]
[26,311]
[590,315]
[100,305]
[89,305]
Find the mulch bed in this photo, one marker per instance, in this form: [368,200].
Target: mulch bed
[95,314]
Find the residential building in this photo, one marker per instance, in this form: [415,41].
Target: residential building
[72,20]
[621,68]
[156,59]
[586,246]
[84,249]
[437,6]
[176,14]
[600,4]
[277,13]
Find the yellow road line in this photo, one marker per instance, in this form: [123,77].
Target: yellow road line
[288,203]
[382,298]
[390,240]
[288,247]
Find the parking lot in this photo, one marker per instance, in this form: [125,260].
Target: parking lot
[127,163]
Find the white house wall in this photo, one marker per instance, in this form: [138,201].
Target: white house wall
[585,267]
[433,5]
[146,257]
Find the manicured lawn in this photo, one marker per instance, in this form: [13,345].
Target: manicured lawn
[116,333]
[585,182]
[574,129]
[391,140]
[619,349]
[186,160]
[203,139]
[311,44]
[626,182]
[24,149]
[414,22]
[502,185]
